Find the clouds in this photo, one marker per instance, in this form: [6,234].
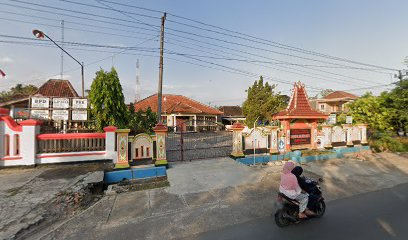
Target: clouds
[6,60]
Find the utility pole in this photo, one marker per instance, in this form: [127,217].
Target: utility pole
[159,92]
[62,52]
[137,92]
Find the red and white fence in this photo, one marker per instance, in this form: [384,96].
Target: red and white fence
[21,144]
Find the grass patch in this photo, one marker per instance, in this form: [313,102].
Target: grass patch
[306,153]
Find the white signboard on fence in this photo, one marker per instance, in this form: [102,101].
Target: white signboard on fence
[80,103]
[40,102]
[60,103]
[39,114]
[79,115]
[332,119]
[349,119]
[60,115]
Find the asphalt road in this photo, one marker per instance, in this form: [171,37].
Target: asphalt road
[376,215]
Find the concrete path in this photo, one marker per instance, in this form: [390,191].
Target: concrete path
[236,195]
[370,216]
[207,175]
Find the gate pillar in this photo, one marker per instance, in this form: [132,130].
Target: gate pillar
[363,129]
[274,140]
[122,148]
[161,132]
[327,130]
[237,140]
[348,129]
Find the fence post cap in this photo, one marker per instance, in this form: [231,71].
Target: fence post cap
[110,129]
[237,126]
[122,130]
[31,122]
[160,128]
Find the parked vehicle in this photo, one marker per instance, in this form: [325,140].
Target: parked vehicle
[288,209]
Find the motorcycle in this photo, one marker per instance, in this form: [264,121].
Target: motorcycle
[288,209]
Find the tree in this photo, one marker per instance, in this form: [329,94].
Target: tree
[397,99]
[107,101]
[17,91]
[141,122]
[263,102]
[373,111]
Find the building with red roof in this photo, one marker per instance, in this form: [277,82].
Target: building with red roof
[299,120]
[335,102]
[181,112]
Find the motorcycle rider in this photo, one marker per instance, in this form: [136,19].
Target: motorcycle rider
[305,186]
[290,187]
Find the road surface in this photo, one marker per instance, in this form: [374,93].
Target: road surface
[376,215]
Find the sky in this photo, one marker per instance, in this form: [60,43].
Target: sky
[281,40]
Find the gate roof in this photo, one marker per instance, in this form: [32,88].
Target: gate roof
[299,106]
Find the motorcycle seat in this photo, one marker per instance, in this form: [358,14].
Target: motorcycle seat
[293,201]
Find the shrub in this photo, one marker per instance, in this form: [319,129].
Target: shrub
[386,142]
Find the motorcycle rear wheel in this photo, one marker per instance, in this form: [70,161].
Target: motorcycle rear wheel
[320,209]
[280,219]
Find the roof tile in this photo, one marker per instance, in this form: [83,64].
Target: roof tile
[176,104]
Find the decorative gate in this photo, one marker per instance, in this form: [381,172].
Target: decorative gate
[198,140]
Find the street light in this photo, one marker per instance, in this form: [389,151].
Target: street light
[40,35]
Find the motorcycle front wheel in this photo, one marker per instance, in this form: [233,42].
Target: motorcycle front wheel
[280,219]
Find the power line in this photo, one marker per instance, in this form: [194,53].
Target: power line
[184,32]
[264,41]
[241,51]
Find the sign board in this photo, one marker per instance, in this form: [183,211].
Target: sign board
[332,119]
[349,119]
[21,113]
[80,103]
[60,115]
[39,114]
[40,102]
[60,103]
[300,136]
[79,115]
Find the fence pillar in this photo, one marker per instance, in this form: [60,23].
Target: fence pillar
[348,129]
[274,140]
[313,133]
[28,146]
[110,143]
[327,130]
[237,151]
[122,148]
[161,132]
[363,129]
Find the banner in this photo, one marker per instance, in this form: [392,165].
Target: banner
[60,115]
[21,113]
[349,119]
[40,114]
[40,102]
[80,103]
[79,115]
[60,103]
[300,136]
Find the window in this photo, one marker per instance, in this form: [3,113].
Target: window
[137,152]
[16,144]
[147,152]
[6,145]
[322,107]
[141,151]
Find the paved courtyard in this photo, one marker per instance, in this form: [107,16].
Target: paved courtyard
[215,193]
